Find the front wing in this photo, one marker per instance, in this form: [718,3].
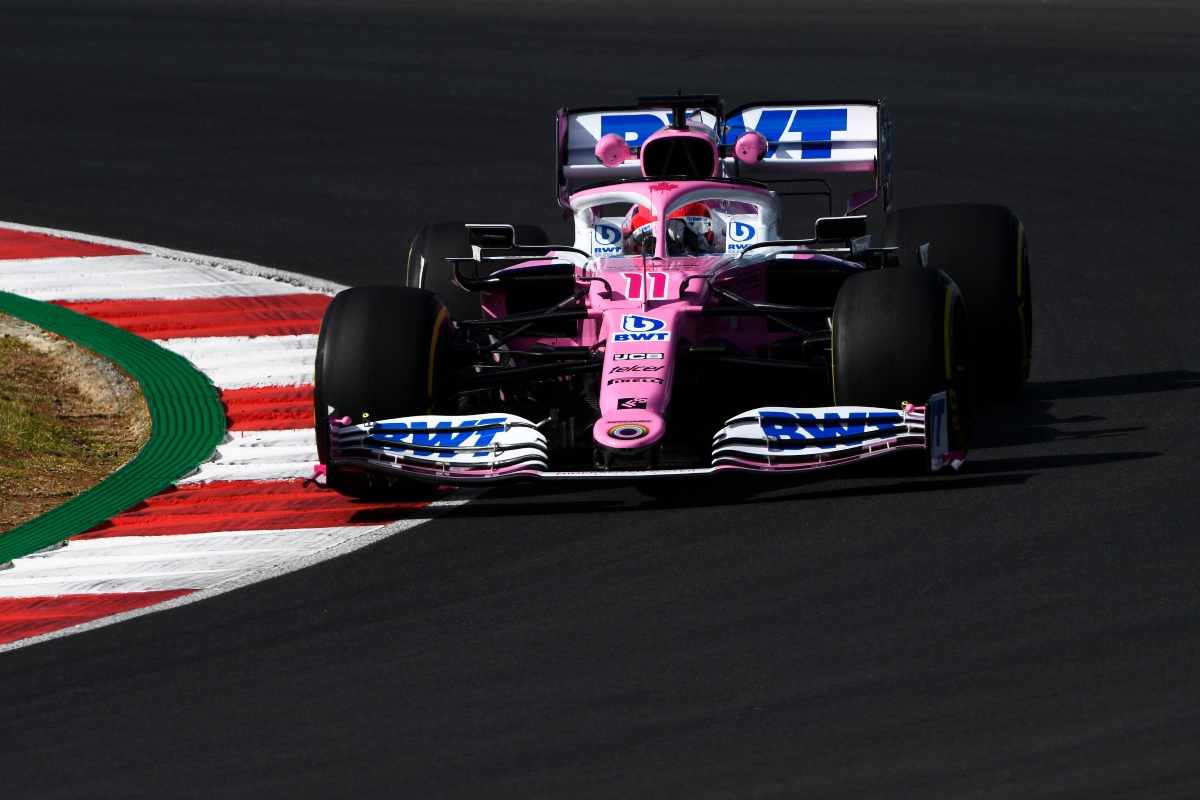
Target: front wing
[461,450]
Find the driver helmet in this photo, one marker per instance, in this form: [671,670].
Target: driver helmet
[689,229]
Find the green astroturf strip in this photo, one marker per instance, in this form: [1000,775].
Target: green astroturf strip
[186,417]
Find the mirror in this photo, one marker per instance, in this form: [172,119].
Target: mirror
[841,229]
[491,237]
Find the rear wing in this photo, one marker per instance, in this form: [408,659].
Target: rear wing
[817,137]
[579,131]
[803,138]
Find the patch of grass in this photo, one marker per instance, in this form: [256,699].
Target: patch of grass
[54,442]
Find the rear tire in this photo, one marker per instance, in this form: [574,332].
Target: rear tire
[429,269]
[374,362]
[901,335]
[982,248]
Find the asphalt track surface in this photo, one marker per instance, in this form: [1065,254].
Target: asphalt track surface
[1028,628]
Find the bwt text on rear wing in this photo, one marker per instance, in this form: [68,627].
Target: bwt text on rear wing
[803,138]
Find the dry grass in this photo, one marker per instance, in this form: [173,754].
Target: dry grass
[67,421]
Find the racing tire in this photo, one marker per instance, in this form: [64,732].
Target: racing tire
[902,335]
[376,359]
[983,250]
[428,268]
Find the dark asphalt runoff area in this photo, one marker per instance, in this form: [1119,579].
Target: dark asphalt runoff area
[1028,628]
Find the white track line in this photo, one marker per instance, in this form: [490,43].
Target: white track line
[228,264]
[237,362]
[258,456]
[129,278]
[159,563]
[431,511]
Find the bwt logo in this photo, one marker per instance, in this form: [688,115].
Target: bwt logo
[404,436]
[642,329]
[637,324]
[606,240]
[740,232]
[607,234]
[799,426]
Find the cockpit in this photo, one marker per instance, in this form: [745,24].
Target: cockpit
[620,220]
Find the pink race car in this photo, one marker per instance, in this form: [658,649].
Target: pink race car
[680,335]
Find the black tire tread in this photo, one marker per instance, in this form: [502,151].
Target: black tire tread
[983,250]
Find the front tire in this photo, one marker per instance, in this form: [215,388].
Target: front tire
[376,359]
[983,250]
[902,335]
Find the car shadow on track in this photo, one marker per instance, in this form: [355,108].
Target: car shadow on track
[1043,463]
[1113,385]
[1030,418]
[498,502]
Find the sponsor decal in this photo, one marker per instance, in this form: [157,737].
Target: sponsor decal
[818,124]
[402,434]
[633,128]
[628,431]
[606,239]
[632,402]
[740,231]
[611,381]
[825,432]
[635,368]
[637,356]
[642,329]
[809,124]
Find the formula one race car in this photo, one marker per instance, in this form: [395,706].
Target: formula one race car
[679,335]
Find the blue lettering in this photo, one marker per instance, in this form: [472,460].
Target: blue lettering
[818,124]
[788,427]
[486,436]
[771,125]
[642,337]
[633,128]
[447,439]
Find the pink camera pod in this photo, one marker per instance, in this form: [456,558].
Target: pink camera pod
[750,148]
[612,150]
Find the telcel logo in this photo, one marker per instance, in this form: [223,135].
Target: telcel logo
[642,329]
[637,356]
[606,240]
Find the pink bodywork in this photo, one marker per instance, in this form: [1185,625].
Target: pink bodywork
[639,360]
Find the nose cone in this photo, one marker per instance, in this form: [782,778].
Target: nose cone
[629,430]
